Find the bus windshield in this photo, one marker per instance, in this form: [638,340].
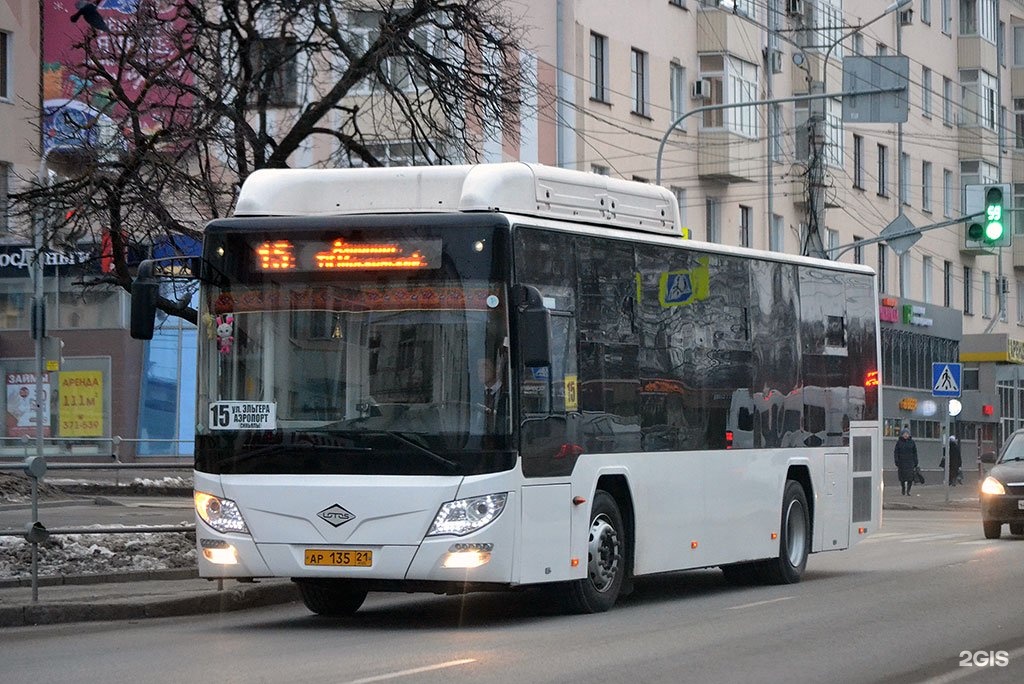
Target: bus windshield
[375,370]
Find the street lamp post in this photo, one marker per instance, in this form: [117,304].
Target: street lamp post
[818,137]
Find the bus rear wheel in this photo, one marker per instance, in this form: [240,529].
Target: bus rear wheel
[330,598]
[606,559]
[794,539]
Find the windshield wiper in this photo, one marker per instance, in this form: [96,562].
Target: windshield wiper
[1015,458]
[433,455]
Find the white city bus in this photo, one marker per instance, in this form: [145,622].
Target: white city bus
[462,378]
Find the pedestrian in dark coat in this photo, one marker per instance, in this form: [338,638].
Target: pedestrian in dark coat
[905,455]
[955,462]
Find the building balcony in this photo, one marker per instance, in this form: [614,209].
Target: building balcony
[974,52]
[727,157]
[719,32]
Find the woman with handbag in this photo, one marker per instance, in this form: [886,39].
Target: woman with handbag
[905,455]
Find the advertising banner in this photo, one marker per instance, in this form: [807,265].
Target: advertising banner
[81,404]
[21,405]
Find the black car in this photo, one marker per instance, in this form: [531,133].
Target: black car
[1002,492]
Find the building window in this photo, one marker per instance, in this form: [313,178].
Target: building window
[986,294]
[881,270]
[978,18]
[858,44]
[639,88]
[1020,302]
[598,67]
[947,193]
[775,112]
[926,280]
[926,186]
[677,92]
[926,11]
[732,81]
[600,170]
[904,184]
[1018,46]
[968,300]
[274,60]
[947,17]
[947,284]
[5,176]
[978,105]
[883,171]
[1018,122]
[1002,289]
[712,219]
[6,71]
[858,251]
[947,101]
[776,234]
[746,219]
[926,92]
[858,161]
[831,241]
[881,50]
[680,194]
[904,260]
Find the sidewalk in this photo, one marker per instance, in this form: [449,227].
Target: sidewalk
[931,496]
[132,596]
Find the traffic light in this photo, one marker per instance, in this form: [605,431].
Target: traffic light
[993,228]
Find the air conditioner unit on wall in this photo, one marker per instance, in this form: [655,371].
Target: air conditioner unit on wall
[701,89]
[795,8]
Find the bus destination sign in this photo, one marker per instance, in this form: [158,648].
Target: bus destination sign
[243,415]
[344,255]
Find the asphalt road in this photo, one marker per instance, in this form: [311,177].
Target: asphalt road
[907,605]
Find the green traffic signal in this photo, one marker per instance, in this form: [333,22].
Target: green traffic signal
[993,214]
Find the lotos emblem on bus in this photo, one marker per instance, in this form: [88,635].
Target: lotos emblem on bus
[336,515]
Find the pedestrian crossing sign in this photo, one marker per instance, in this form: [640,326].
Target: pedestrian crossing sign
[946,379]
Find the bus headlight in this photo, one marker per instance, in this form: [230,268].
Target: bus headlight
[220,514]
[463,516]
[992,486]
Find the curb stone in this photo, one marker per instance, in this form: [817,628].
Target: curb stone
[238,597]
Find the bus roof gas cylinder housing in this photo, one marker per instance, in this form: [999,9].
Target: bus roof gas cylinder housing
[515,188]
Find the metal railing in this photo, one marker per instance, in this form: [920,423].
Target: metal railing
[35,467]
[112,447]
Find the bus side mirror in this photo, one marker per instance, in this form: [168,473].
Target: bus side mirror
[534,328]
[145,291]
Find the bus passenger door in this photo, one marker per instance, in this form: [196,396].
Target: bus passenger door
[544,550]
[834,505]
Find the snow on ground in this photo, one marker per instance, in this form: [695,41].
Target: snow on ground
[80,554]
[88,554]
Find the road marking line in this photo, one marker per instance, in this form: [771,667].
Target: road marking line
[416,670]
[760,603]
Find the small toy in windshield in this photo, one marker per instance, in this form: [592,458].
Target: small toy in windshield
[225,333]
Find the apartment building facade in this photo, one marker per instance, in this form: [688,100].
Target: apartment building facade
[614,78]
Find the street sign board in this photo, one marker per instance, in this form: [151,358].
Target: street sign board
[946,379]
[897,227]
[876,73]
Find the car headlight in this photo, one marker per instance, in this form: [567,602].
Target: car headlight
[463,516]
[220,514]
[992,486]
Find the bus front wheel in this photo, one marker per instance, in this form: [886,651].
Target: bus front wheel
[794,538]
[606,559]
[330,598]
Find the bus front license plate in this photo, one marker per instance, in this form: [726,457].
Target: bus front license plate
[335,557]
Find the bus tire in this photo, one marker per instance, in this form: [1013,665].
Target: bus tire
[993,528]
[330,598]
[606,559]
[794,538]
